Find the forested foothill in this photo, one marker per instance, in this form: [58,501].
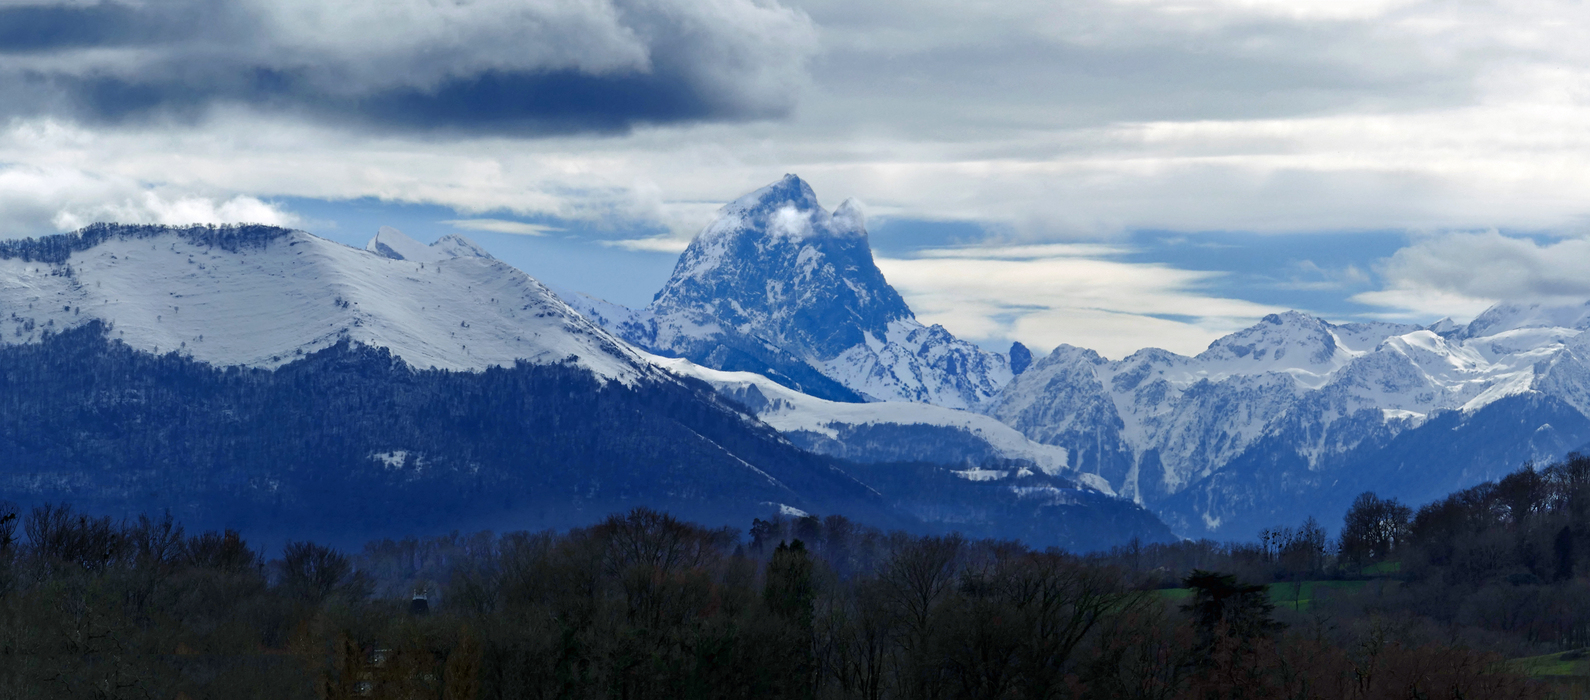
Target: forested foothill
[350,443]
[1442,601]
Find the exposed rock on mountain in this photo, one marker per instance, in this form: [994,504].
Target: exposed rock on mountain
[780,287]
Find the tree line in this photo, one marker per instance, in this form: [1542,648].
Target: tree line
[644,605]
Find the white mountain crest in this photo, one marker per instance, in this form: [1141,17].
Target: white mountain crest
[287,293]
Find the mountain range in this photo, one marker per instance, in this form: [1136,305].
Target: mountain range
[261,376]
[1292,416]
[266,378]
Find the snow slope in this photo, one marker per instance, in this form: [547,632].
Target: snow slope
[1156,423]
[793,413]
[280,294]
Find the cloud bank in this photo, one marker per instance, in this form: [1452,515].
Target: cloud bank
[1048,295]
[1459,274]
[481,66]
[1043,123]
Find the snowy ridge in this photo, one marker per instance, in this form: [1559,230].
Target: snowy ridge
[392,243]
[295,293]
[923,364]
[791,412]
[1156,422]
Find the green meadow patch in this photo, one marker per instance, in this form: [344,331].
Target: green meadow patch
[1574,663]
[1300,595]
[1292,596]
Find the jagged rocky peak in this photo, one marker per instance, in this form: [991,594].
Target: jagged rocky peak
[391,243]
[777,262]
[1020,358]
[780,286]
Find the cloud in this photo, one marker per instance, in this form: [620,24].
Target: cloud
[1307,275]
[1113,307]
[656,244]
[487,66]
[1047,122]
[34,201]
[1459,274]
[501,226]
[1025,252]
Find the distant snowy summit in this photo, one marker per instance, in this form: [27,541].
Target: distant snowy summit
[781,287]
[391,243]
[1305,402]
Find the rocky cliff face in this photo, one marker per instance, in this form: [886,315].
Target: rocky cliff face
[779,286]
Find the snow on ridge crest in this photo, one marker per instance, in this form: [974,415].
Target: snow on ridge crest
[791,412]
[1155,422]
[391,243]
[266,305]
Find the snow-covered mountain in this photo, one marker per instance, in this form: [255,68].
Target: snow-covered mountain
[893,431]
[239,373]
[1294,401]
[261,297]
[946,466]
[779,286]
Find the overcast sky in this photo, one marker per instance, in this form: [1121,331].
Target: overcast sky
[1111,174]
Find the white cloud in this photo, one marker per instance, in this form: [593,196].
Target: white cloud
[1311,123]
[1310,276]
[36,201]
[151,207]
[1060,125]
[1113,307]
[1459,274]
[501,226]
[655,244]
[1025,252]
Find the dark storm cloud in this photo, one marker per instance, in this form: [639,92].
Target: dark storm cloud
[54,28]
[488,66]
[551,102]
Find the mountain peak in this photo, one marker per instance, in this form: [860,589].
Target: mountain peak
[391,243]
[1279,342]
[1445,326]
[776,260]
[850,217]
[780,286]
[1516,316]
[789,190]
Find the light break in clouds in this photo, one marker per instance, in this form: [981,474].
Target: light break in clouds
[1044,296]
[501,226]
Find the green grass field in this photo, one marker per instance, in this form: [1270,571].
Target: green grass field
[1293,596]
[1175,595]
[1577,664]
[1385,568]
[1300,595]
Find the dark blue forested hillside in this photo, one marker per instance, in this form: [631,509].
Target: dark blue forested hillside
[350,443]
